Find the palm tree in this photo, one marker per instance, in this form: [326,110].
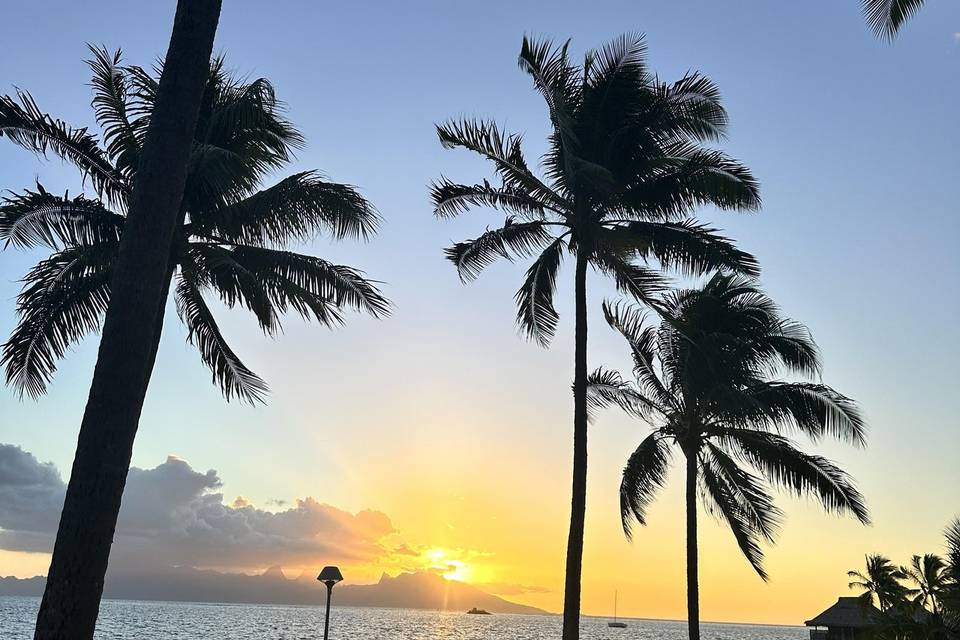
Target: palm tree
[175,195]
[880,582]
[71,597]
[929,573]
[229,239]
[950,594]
[887,16]
[624,168]
[705,380]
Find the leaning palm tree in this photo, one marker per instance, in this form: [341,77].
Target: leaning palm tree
[929,574]
[125,358]
[706,381]
[886,17]
[880,582]
[230,237]
[624,168]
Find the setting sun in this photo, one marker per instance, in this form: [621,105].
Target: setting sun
[448,565]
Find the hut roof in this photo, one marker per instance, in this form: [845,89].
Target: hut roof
[847,612]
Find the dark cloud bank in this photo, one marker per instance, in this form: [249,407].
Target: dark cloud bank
[173,515]
[174,519]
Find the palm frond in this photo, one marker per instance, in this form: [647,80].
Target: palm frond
[536,314]
[628,321]
[787,344]
[512,239]
[241,137]
[688,176]
[64,297]
[741,500]
[802,474]
[504,150]
[218,268]
[644,474]
[38,218]
[606,388]
[24,124]
[688,108]
[617,73]
[142,91]
[638,282]
[122,137]
[815,409]
[230,374]
[296,208]
[555,79]
[310,285]
[249,116]
[451,199]
[687,246]
[886,17]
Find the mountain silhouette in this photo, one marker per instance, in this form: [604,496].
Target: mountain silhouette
[420,590]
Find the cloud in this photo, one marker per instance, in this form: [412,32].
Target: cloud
[406,550]
[173,515]
[31,495]
[508,589]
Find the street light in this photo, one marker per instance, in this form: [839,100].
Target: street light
[329,576]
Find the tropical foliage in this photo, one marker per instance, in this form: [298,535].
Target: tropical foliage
[625,166]
[887,16]
[232,234]
[917,602]
[880,582]
[707,378]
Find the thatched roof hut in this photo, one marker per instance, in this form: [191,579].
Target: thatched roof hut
[845,620]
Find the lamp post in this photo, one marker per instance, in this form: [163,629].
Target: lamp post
[329,576]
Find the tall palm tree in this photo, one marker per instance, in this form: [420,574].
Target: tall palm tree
[880,582]
[174,195]
[229,239]
[624,168]
[887,16]
[706,381]
[929,574]
[71,597]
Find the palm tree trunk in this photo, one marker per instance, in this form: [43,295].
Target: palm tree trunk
[71,599]
[578,507]
[693,585]
[172,262]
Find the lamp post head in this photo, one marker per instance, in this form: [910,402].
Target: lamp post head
[330,576]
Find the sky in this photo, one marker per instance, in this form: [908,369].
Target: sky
[440,437]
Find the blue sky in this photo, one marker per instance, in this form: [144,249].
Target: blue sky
[854,141]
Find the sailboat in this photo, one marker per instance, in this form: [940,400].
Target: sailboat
[615,624]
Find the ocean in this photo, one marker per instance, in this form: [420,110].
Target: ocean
[136,620]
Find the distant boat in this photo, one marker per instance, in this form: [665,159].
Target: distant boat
[615,624]
[480,612]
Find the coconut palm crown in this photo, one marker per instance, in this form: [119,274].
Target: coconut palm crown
[929,574]
[880,582]
[707,379]
[625,166]
[231,236]
[624,169]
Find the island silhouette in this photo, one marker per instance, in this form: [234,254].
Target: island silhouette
[417,590]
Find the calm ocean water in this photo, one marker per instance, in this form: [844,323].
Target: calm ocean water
[129,620]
